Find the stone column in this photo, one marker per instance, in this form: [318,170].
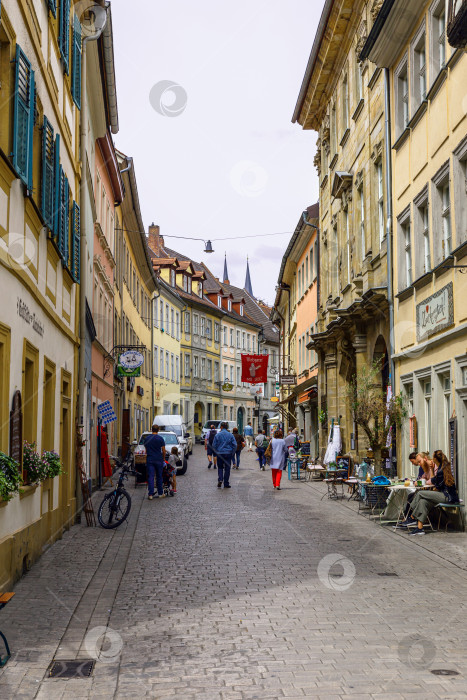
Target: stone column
[330,365]
[360,344]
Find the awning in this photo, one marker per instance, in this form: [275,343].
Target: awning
[308,395]
[290,398]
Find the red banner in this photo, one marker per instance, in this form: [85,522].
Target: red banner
[255,369]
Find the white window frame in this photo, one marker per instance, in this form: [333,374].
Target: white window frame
[195,324]
[195,366]
[187,364]
[187,323]
[380,200]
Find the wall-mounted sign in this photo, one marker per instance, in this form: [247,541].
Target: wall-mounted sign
[435,313]
[106,412]
[227,387]
[255,369]
[288,379]
[274,399]
[257,389]
[129,363]
[30,318]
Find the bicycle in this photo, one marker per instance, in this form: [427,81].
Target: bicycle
[115,507]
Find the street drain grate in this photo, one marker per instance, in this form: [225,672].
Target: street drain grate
[71,669]
[444,672]
[388,573]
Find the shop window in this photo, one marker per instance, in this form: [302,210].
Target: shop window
[30,391]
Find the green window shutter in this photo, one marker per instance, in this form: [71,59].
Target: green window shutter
[76,67]
[47,189]
[53,7]
[56,228]
[75,242]
[64,217]
[64,33]
[23,117]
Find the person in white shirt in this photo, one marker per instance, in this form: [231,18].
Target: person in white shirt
[278,458]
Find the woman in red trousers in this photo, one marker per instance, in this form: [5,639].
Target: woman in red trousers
[278,458]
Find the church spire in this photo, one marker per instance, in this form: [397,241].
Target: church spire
[248,288]
[226,274]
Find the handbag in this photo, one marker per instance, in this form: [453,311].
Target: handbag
[268,453]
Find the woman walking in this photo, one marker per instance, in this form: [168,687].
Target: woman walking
[424,501]
[279,454]
[240,446]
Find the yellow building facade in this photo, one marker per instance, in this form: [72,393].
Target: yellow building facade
[39,267]
[429,135]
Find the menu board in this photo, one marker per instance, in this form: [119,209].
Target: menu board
[453,446]
[16,429]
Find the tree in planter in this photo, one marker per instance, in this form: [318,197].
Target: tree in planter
[52,463]
[10,477]
[370,407]
[34,468]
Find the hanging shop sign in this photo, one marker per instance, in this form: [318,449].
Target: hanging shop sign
[274,399]
[288,379]
[257,390]
[255,369]
[129,363]
[227,387]
[435,313]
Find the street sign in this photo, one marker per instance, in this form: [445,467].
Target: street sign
[288,379]
[227,387]
[106,412]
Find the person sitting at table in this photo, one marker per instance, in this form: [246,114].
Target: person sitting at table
[445,492]
[425,471]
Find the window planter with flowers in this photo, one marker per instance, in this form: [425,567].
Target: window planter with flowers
[10,478]
[37,468]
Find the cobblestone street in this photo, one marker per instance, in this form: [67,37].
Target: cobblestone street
[240,594]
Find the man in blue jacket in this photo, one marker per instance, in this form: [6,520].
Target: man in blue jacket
[224,446]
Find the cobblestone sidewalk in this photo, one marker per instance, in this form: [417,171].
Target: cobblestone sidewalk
[240,594]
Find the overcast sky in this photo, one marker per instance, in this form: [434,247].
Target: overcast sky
[218,157]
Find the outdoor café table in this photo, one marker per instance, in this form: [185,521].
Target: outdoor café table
[313,470]
[293,466]
[398,494]
[372,496]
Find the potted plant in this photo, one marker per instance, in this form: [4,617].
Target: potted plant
[34,468]
[10,477]
[322,416]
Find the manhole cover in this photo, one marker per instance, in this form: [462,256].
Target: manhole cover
[444,672]
[388,573]
[71,669]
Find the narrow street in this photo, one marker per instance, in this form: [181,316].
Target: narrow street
[240,594]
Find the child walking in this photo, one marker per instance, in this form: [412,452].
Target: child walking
[173,459]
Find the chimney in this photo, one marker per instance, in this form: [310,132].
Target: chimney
[155,240]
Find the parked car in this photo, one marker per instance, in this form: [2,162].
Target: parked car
[170,439]
[217,426]
[176,424]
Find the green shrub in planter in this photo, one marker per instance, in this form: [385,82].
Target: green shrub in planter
[10,477]
[52,463]
[34,468]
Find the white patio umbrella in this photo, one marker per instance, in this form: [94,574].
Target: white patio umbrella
[334,444]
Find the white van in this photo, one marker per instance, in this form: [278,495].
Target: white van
[231,424]
[177,425]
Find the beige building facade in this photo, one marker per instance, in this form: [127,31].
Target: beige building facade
[342,99]
[429,134]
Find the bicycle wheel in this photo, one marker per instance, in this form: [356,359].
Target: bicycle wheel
[114,509]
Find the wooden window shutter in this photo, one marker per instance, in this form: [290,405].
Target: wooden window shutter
[53,7]
[47,188]
[23,118]
[76,67]
[75,242]
[56,227]
[64,34]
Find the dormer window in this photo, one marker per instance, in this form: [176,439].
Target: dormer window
[241,309]
[200,289]
[190,285]
[229,305]
[185,283]
[219,301]
[172,278]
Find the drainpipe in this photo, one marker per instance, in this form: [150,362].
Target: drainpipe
[152,350]
[83,246]
[387,140]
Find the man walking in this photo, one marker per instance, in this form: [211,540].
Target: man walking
[208,442]
[248,434]
[155,456]
[289,442]
[224,446]
[261,444]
